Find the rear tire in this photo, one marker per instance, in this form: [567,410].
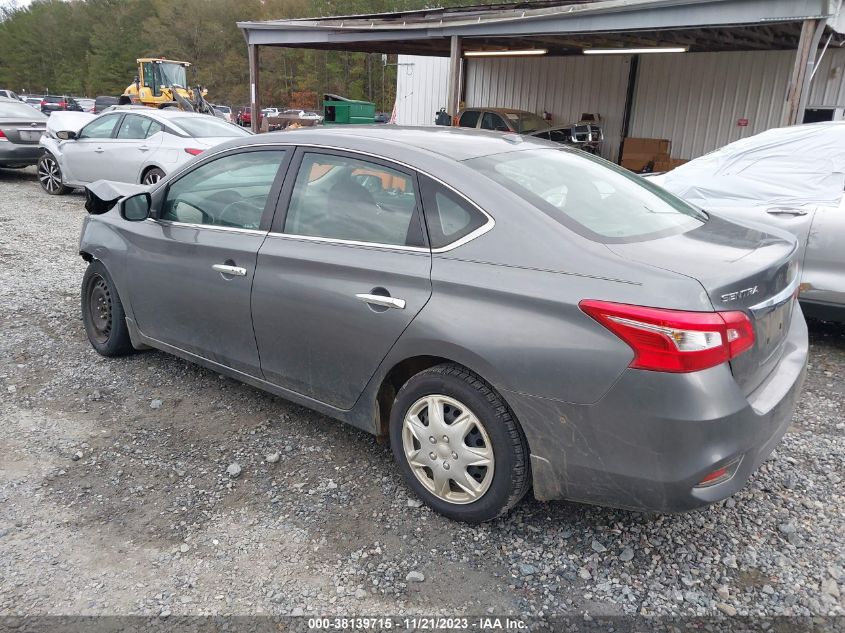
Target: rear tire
[474,471]
[152,176]
[50,176]
[102,313]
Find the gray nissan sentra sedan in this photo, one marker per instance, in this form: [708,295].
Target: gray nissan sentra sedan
[510,313]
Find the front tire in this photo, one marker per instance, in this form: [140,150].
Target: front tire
[458,445]
[50,176]
[102,313]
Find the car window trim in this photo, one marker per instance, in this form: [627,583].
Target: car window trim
[160,195]
[278,226]
[484,228]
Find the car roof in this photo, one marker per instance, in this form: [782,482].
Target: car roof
[395,141]
[160,114]
[499,111]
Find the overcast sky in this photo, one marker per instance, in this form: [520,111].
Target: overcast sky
[12,3]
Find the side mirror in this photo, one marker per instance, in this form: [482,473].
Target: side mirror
[66,135]
[136,208]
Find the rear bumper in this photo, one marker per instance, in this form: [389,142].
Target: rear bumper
[649,442]
[19,154]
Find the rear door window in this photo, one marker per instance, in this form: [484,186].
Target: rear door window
[134,126]
[339,197]
[492,121]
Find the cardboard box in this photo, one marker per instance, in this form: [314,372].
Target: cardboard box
[635,164]
[667,164]
[646,146]
[638,161]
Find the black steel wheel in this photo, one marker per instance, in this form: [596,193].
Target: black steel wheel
[102,313]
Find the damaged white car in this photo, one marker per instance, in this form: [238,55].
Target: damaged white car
[131,144]
[792,178]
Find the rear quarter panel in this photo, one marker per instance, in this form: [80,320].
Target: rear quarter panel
[823,280]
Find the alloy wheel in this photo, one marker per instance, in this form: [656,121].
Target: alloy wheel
[448,449]
[152,177]
[49,174]
[100,309]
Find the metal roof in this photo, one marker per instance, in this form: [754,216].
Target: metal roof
[563,28]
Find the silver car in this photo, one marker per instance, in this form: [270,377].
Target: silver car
[21,128]
[791,178]
[127,144]
[509,313]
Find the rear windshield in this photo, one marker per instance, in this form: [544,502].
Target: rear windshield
[591,196]
[13,110]
[208,127]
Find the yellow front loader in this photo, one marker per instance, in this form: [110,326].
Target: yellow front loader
[162,83]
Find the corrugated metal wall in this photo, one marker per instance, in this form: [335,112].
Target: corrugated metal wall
[564,86]
[421,84]
[828,87]
[696,99]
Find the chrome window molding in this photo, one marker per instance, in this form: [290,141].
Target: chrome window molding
[481,230]
[332,240]
[210,227]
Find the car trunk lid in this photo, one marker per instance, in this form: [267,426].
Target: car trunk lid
[22,131]
[741,267]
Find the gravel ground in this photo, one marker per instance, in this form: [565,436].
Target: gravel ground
[116,497]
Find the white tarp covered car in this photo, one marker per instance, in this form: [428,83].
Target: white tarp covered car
[124,144]
[792,178]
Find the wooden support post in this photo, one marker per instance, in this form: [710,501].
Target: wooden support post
[809,69]
[797,84]
[254,99]
[453,94]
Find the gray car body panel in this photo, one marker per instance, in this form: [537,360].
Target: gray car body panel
[503,304]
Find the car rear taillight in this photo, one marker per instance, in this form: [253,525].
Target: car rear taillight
[193,151]
[62,104]
[44,102]
[3,136]
[674,340]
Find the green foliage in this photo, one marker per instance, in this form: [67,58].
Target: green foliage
[89,47]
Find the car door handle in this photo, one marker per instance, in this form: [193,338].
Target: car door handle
[235,271]
[785,211]
[99,150]
[144,148]
[381,300]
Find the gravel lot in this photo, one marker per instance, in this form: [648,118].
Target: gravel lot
[116,497]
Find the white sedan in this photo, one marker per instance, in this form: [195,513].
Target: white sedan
[125,144]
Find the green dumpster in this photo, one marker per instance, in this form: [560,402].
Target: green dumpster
[339,110]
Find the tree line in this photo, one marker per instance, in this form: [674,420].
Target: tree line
[89,47]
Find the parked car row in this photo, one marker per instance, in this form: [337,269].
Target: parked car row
[48,104]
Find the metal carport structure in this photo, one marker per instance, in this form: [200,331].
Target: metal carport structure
[569,28]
